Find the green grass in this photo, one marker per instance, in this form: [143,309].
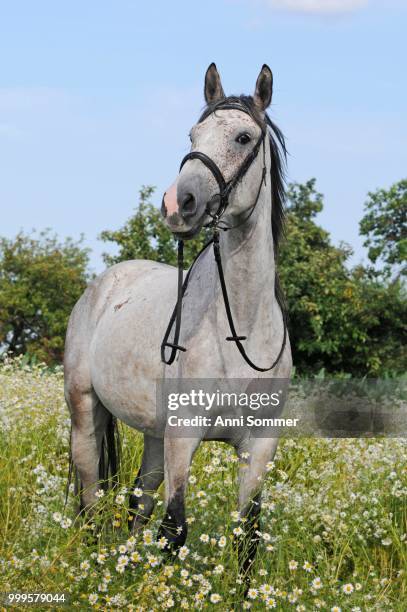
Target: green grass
[335,512]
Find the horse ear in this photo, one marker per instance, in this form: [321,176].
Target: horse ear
[264,88]
[213,90]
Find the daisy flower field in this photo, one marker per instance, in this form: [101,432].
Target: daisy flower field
[333,530]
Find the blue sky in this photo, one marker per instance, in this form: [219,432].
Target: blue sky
[97,98]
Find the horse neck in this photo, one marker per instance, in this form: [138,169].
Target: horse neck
[249,264]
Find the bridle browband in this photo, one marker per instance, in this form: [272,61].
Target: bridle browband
[225,189]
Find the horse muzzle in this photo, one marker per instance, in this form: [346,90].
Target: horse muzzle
[183,207]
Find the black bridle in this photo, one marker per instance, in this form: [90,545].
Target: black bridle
[226,187]
[216,224]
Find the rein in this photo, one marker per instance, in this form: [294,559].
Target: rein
[225,189]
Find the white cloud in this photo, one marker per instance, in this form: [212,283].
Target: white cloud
[318,7]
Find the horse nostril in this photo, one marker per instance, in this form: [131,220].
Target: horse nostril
[188,205]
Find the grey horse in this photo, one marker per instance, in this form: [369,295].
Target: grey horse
[112,353]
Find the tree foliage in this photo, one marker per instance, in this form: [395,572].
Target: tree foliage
[385,227]
[41,278]
[340,320]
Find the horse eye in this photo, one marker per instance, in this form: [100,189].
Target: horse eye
[243,138]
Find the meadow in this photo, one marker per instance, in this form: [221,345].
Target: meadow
[333,531]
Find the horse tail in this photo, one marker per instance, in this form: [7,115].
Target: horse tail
[110,455]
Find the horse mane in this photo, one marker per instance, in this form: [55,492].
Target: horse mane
[278,158]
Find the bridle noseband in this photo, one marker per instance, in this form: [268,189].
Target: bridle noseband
[225,189]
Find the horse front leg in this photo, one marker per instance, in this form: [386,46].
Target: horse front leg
[149,478]
[178,454]
[254,456]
